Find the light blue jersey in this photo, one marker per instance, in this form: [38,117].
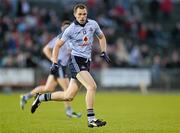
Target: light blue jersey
[64,51]
[81,38]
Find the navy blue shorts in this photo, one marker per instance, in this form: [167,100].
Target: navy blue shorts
[78,64]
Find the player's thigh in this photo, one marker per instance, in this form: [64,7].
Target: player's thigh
[50,83]
[73,88]
[63,82]
[86,79]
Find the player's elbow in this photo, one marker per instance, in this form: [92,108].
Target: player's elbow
[59,43]
[101,36]
[44,50]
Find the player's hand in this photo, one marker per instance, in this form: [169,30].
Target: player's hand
[105,57]
[54,69]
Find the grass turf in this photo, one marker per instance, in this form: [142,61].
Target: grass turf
[124,112]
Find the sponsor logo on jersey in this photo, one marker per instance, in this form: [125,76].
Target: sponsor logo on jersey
[85,41]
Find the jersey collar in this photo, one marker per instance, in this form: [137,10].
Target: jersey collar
[82,25]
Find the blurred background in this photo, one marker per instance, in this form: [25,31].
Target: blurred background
[143,39]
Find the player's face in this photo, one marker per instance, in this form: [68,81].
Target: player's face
[81,15]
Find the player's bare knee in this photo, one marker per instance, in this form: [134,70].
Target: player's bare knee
[92,88]
[68,97]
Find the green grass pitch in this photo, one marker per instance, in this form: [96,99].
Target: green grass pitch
[125,112]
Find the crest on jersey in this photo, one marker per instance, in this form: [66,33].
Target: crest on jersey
[84,32]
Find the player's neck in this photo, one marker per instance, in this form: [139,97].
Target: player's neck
[77,23]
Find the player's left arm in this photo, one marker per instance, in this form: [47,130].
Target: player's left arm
[102,42]
[103,45]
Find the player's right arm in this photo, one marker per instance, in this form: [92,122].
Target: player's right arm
[54,68]
[47,52]
[56,48]
[59,42]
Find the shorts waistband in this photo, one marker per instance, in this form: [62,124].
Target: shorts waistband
[87,59]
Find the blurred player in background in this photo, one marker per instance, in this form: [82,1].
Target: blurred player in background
[81,33]
[61,77]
